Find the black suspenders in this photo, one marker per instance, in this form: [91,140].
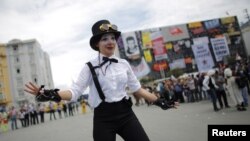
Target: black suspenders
[98,87]
[95,79]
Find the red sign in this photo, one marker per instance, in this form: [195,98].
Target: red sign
[158,66]
[175,31]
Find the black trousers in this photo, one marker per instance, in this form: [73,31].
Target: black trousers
[213,96]
[117,118]
[222,93]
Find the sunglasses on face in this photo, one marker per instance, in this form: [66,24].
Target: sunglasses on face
[106,27]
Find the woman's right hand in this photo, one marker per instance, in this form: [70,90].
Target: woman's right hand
[31,88]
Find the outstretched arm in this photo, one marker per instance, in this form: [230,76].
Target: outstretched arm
[145,94]
[34,90]
[157,101]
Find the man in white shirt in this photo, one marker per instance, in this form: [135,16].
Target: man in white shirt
[210,86]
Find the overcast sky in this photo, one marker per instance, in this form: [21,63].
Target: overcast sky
[63,27]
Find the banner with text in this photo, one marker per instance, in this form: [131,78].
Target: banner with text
[220,47]
[203,57]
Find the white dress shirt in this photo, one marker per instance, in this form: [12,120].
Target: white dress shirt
[206,83]
[113,81]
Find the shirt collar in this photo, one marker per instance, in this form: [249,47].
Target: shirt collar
[113,56]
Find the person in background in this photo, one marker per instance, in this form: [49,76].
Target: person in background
[4,120]
[242,82]
[59,110]
[52,111]
[21,117]
[221,93]
[233,90]
[41,108]
[65,109]
[13,114]
[210,86]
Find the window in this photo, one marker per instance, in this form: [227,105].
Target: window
[19,82]
[33,69]
[32,58]
[20,93]
[34,78]
[15,47]
[18,71]
[1,96]
[30,48]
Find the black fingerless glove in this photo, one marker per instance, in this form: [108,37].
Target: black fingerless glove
[163,104]
[48,95]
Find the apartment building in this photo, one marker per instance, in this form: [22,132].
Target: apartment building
[26,62]
[5,96]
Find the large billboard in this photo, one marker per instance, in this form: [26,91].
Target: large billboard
[195,46]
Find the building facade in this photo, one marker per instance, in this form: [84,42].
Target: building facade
[199,46]
[246,35]
[5,96]
[26,62]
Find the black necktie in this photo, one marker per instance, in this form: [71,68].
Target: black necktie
[106,59]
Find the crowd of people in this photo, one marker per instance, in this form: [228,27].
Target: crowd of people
[226,87]
[32,114]
[221,86]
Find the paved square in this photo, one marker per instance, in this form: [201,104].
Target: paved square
[187,123]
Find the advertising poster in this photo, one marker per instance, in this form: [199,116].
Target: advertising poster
[146,39]
[158,46]
[174,33]
[200,40]
[203,57]
[130,44]
[141,69]
[148,56]
[196,28]
[212,24]
[220,48]
[179,63]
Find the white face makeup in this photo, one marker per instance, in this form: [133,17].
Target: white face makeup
[107,44]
